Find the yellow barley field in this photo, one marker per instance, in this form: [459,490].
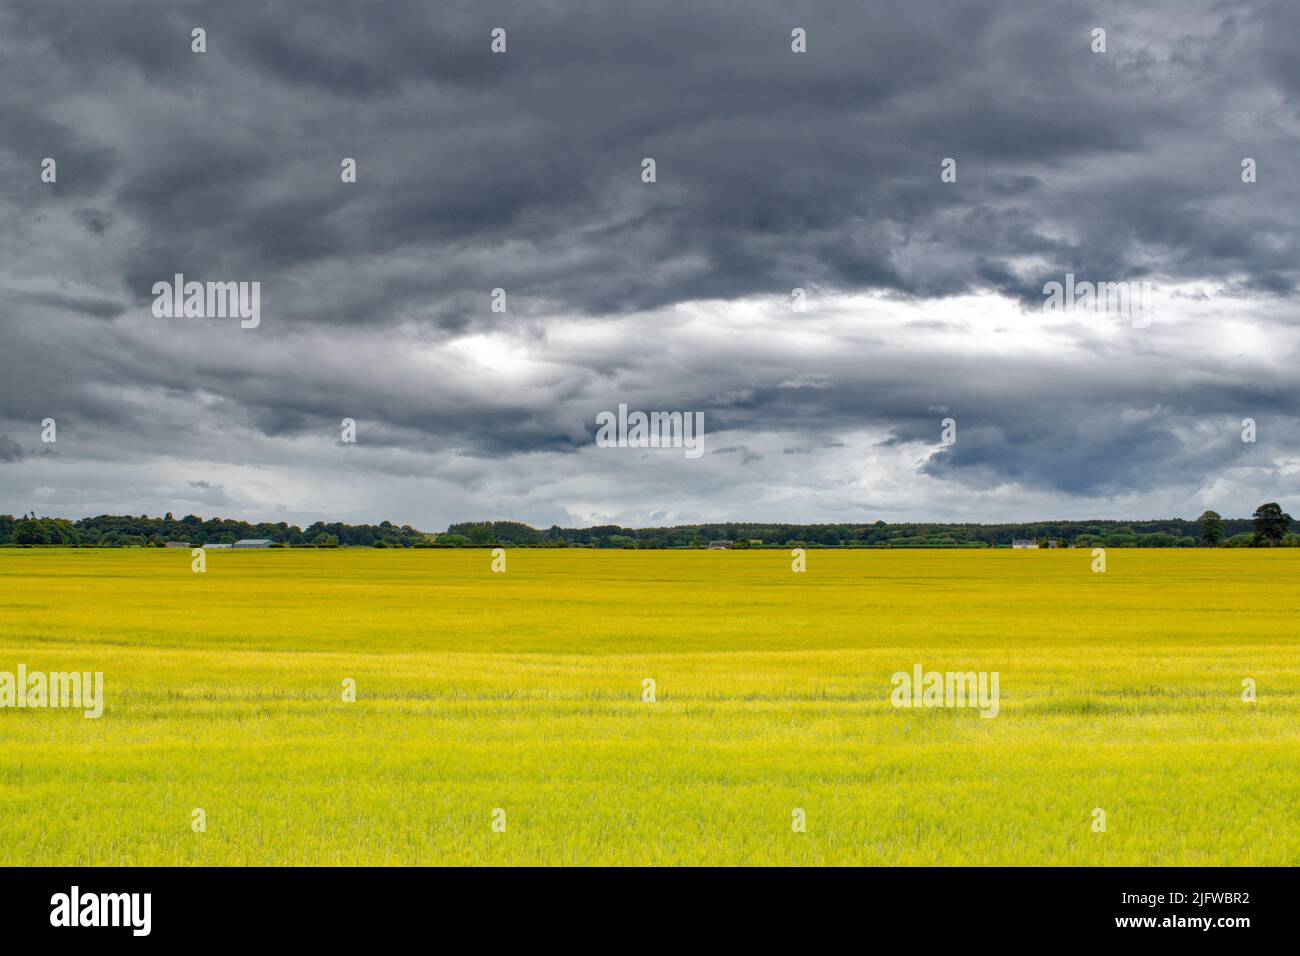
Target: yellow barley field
[523,691]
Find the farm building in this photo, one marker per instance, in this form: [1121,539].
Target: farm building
[1024,543]
[254,543]
[719,545]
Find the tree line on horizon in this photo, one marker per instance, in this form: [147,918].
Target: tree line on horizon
[124,531]
[1269,526]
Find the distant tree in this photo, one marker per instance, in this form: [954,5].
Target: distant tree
[1157,539]
[1271,523]
[1211,528]
[481,533]
[29,531]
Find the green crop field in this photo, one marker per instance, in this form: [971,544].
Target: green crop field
[523,692]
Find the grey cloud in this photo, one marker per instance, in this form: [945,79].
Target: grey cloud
[821,168]
[746,455]
[775,170]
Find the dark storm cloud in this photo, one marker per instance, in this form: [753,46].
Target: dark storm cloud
[521,171]
[1096,457]
[774,168]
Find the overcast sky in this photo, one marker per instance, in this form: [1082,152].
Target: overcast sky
[774,170]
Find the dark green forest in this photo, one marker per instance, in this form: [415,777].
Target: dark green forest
[1269,526]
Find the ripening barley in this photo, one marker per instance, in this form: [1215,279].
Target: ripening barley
[524,691]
